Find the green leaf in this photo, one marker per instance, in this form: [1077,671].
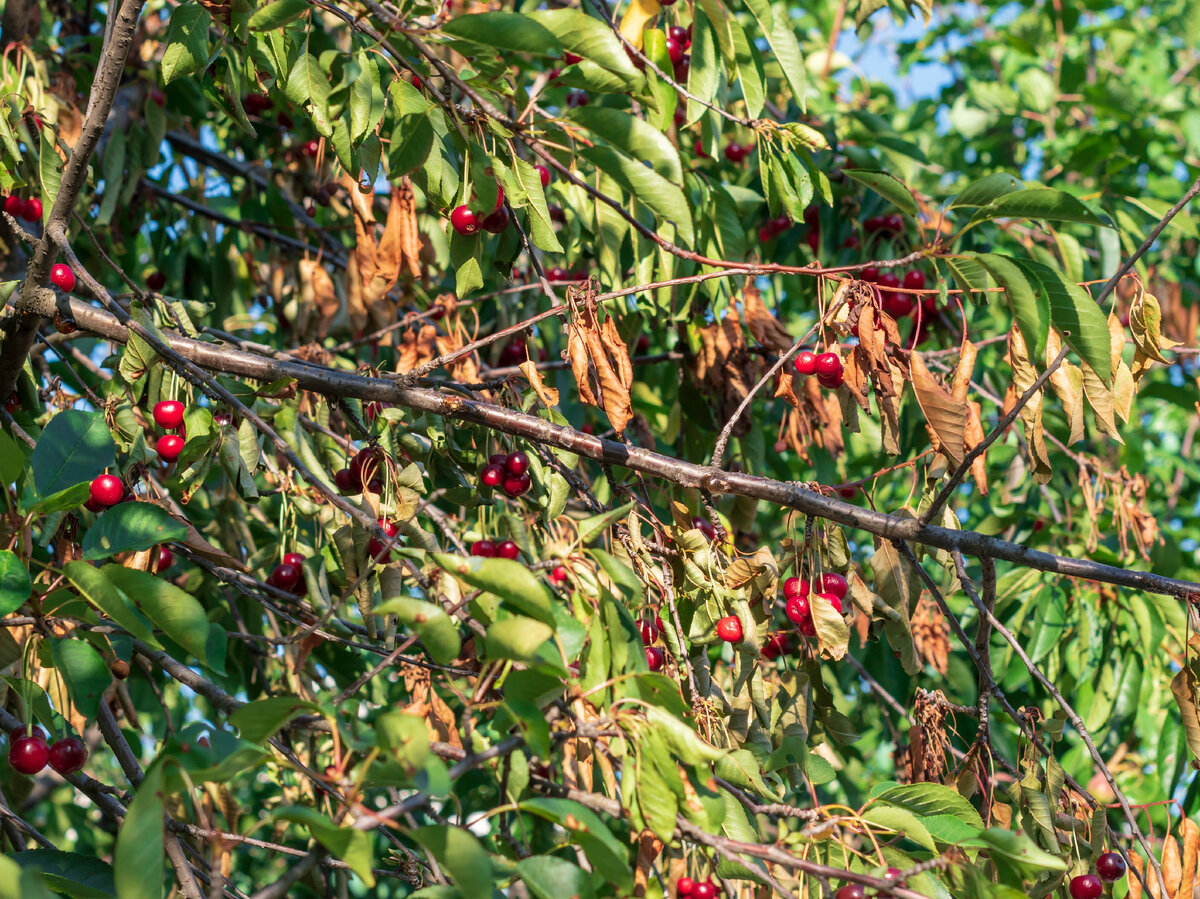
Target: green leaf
[49,171]
[593,526]
[97,589]
[187,41]
[632,136]
[85,671]
[505,31]
[138,857]
[259,720]
[985,190]
[517,638]
[586,829]
[887,186]
[902,822]
[784,47]
[704,72]
[462,856]
[129,527]
[176,613]
[515,584]
[590,38]
[1020,850]
[350,845]
[366,99]
[277,14]
[436,629]
[932,799]
[308,87]
[15,585]
[70,873]
[1030,306]
[648,187]
[1073,311]
[1040,203]
[75,447]
[13,459]
[683,742]
[549,877]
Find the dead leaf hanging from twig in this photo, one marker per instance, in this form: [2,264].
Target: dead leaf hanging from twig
[600,362]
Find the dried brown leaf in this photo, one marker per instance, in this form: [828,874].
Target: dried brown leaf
[1172,866]
[318,294]
[548,395]
[1024,376]
[765,327]
[973,436]
[946,415]
[962,373]
[1190,834]
[1100,397]
[1067,382]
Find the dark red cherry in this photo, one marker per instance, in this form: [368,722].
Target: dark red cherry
[507,549]
[284,577]
[1086,886]
[68,755]
[293,559]
[704,526]
[1110,866]
[492,475]
[850,891]
[516,464]
[805,362]
[515,485]
[483,548]
[655,658]
[28,755]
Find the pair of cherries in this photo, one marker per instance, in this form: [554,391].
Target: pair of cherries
[686,888]
[168,415]
[364,472]
[509,472]
[490,549]
[826,366]
[287,575]
[796,592]
[650,630]
[29,752]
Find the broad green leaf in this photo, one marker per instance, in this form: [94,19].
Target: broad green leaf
[1020,850]
[590,38]
[1073,311]
[308,87]
[1040,203]
[504,31]
[586,829]
[13,459]
[1030,306]
[72,874]
[703,71]
[932,799]
[97,589]
[350,845]
[887,186]
[784,47]
[436,629]
[176,613]
[131,526]
[277,14]
[366,99]
[648,187]
[15,585]
[681,739]
[550,877]
[187,41]
[632,136]
[516,638]
[515,584]
[85,671]
[259,720]
[985,190]
[75,447]
[902,822]
[462,856]
[138,858]
[593,526]
[405,736]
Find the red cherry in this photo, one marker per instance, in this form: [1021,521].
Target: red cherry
[169,446]
[33,210]
[285,577]
[62,277]
[682,69]
[848,492]
[157,96]
[68,755]
[345,481]
[28,755]
[814,238]
[828,365]
[556,213]
[805,362]
[679,35]
[851,242]
[704,526]
[1086,886]
[729,629]
[15,206]
[898,305]
[107,490]
[578,98]
[377,549]
[166,558]
[293,559]
[492,475]
[797,609]
[832,582]
[733,152]
[685,885]
[650,629]
[496,222]
[570,58]
[27,730]
[831,599]
[888,279]
[874,223]
[675,51]
[464,221]
[544,174]
[795,586]
[1110,866]
[508,550]
[850,891]
[310,148]
[168,414]
[870,274]
[807,627]
[776,645]
[780,223]
[655,658]
[706,890]
[811,214]
[515,485]
[156,281]
[516,463]
[367,463]
[893,223]
[558,575]
[484,548]
[914,279]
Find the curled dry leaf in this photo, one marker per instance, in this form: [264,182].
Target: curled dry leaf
[1067,382]
[599,357]
[946,415]
[973,436]
[318,297]
[724,367]
[765,327]
[1172,865]
[833,634]
[1024,376]
[548,395]
[1190,834]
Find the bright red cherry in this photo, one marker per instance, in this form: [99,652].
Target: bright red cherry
[797,609]
[888,279]
[464,221]
[795,586]
[898,305]
[33,210]
[507,549]
[650,629]
[169,447]
[679,34]
[706,890]
[655,658]
[377,549]
[675,51]
[515,485]
[685,885]
[1110,866]
[310,148]
[1086,886]
[28,755]
[544,174]
[15,206]
[832,582]
[293,559]
[156,281]
[914,279]
[558,575]
[345,481]
[166,558]
[496,222]
[285,577]
[168,414]
[516,463]
[62,277]
[492,475]
[776,645]
[483,548]
[704,526]
[68,755]
[107,490]
[734,152]
[805,362]
[828,365]
[729,629]
[832,600]
[850,891]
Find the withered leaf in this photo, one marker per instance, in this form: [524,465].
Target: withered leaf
[1024,376]
[546,394]
[946,415]
[765,327]
[318,294]
[596,351]
[973,436]
[1067,381]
